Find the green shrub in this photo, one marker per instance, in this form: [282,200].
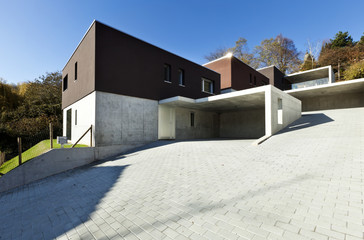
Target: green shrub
[355,71]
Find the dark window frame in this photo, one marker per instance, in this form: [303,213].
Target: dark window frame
[167,73]
[181,77]
[255,81]
[250,79]
[76,117]
[76,70]
[65,83]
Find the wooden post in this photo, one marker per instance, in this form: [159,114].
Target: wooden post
[51,134]
[91,136]
[19,150]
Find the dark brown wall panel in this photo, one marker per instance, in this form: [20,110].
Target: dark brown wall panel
[222,66]
[128,66]
[84,55]
[241,76]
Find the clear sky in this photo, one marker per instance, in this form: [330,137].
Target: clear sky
[39,36]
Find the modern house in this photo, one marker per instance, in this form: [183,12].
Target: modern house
[132,93]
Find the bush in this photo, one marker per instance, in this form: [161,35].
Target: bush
[355,71]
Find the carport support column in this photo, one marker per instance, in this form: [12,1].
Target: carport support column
[268,111]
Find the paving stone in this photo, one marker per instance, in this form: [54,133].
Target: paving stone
[305,182]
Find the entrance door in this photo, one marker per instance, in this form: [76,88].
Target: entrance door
[69,124]
[166,122]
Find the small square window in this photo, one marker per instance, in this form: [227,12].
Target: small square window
[75,70]
[181,77]
[65,83]
[167,72]
[207,86]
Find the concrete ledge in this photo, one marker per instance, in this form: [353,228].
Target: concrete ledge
[56,161]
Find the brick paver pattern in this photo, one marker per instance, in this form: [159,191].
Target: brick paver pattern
[303,183]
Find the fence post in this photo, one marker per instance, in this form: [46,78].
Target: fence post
[19,150]
[2,158]
[51,134]
[91,136]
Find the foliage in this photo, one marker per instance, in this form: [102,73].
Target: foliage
[355,71]
[218,53]
[279,51]
[29,109]
[31,153]
[342,40]
[341,53]
[309,62]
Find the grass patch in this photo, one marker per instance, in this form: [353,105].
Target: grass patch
[31,153]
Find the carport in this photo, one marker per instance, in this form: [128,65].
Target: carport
[251,113]
[346,94]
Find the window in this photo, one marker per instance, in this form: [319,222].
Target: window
[75,117]
[65,83]
[167,72]
[76,71]
[207,86]
[280,111]
[255,80]
[250,79]
[192,119]
[181,77]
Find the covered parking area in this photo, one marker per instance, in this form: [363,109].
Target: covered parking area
[248,114]
[347,94]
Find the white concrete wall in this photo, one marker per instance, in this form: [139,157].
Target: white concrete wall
[166,122]
[243,124]
[206,124]
[85,118]
[124,120]
[291,110]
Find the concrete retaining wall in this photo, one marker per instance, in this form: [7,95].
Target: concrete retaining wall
[57,161]
[206,124]
[242,124]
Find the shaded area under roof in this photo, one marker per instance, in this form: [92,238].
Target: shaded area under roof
[313,74]
[351,86]
[246,99]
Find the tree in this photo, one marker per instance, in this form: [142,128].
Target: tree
[342,40]
[355,71]
[279,51]
[218,53]
[38,104]
[240,51]
[309,62]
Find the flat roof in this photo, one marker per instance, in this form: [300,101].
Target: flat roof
[313,74]
[253,98]
[350,86]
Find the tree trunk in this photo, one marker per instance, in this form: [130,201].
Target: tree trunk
[338,70]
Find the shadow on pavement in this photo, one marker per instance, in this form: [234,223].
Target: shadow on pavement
[307,120]
[55,205]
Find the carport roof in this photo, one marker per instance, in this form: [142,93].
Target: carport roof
[351,86]
[309,75]
[253,98]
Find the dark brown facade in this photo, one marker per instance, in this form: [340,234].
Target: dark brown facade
[237,75]
[276,77]
[111,61]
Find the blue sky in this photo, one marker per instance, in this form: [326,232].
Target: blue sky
[38,36]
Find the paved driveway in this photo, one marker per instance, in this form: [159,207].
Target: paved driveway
[304,183]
